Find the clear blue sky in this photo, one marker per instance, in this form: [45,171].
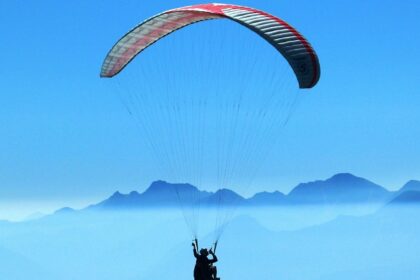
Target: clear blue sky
[66,140]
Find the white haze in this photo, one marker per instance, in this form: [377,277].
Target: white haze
[299,243]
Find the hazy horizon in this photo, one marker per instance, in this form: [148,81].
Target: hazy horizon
[20,209]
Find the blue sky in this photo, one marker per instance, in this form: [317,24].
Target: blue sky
[66,139]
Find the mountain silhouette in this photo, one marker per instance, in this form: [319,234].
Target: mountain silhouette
[224,197]
[267,199]
[407,197]
[65,210]
[342,188]
[412,185]
[159,194]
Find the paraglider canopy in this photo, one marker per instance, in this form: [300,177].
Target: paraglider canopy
[287,40]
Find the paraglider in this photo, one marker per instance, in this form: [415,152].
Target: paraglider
[204,268]
[183,116]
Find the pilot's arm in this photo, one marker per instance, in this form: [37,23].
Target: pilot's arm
[195,251]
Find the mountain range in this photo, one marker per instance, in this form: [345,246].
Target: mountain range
[340,189]
[258,243]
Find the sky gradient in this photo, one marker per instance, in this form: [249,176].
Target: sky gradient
[67,140]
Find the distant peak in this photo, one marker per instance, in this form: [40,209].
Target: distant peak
[407,197]
[413,182]
[344,176]
[163,184]
[412,185]
[225,192]
[348,178]
[157,186]
[265,193]
[159,182]
[165,187]
[64,210]
[117,194]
